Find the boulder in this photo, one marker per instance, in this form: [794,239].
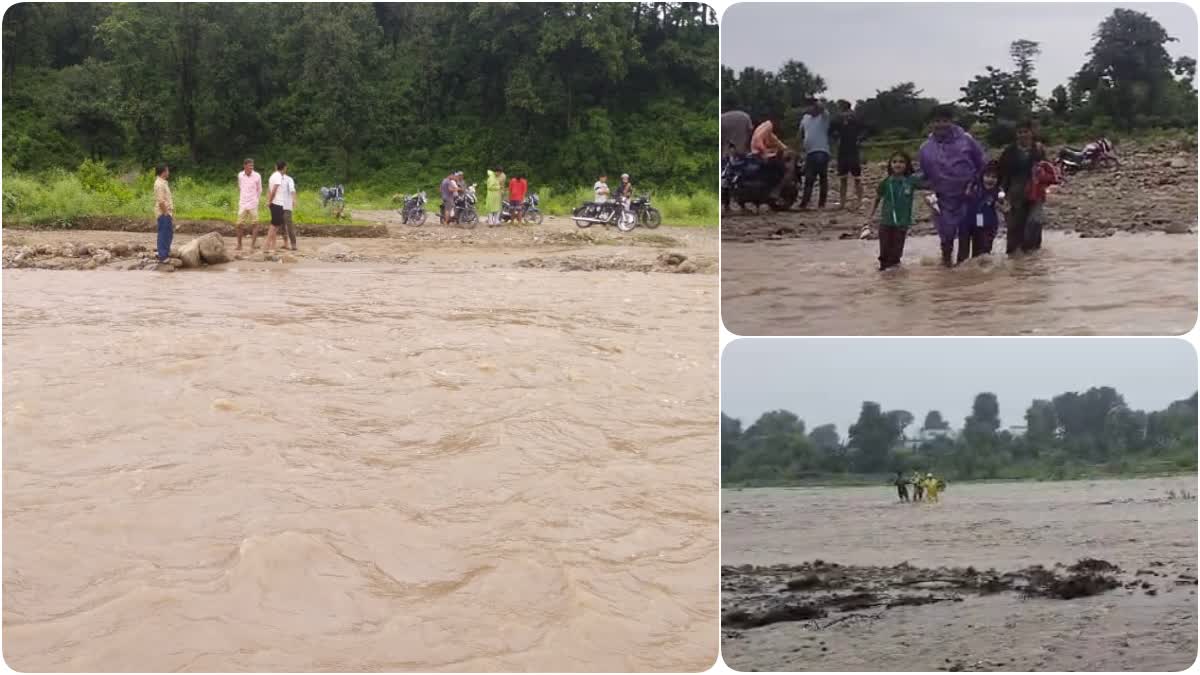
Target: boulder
[120,250]
[102,257]
[1179,163]
[189,253]
[212,248]
[1176,228]
[687,267]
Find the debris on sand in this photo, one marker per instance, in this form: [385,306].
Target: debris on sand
[756,596]
[668,261]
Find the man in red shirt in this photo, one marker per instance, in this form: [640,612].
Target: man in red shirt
[516,195]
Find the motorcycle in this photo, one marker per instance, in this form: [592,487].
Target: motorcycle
[412,211]
[334,198]
[528,210]
[1099,154]
[647,216]
[749,179]
[611,212]
[464,208]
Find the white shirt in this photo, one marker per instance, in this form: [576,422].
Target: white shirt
[284,192]
[601,190]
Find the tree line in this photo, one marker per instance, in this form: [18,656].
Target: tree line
[1074,433]
[389,91]
[1129,82]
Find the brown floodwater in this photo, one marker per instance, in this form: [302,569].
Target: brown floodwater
[1143,284]
[1134,524]
[359,468]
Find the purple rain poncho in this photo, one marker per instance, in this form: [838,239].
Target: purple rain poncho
[950,164]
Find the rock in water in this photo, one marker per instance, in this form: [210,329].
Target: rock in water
[1176,228]
[335,251]
[212,248]
[189,253]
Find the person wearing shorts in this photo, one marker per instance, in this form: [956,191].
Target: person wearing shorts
[249,192]
[448,189]
[277,201]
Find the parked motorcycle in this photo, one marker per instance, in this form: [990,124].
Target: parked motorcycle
[647,216]
[464,208]
[749,179]
[333,198]
[1099,154]
[528,209]
[611,212]
[412,211]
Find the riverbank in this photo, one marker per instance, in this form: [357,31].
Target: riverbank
[839,481]
[1154,190]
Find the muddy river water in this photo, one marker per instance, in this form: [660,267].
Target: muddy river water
[1135,524]
[359,467]
[1143,284]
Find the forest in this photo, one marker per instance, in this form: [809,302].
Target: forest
[1071,435]
[1128,84]
[383,97]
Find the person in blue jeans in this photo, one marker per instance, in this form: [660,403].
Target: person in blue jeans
[164,211]
[814,133]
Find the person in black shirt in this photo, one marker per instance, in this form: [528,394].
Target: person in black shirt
[849,131]
[901,484]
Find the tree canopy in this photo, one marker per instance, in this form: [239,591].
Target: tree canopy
[1073,433]
[390,90]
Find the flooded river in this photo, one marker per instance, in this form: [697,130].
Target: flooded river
[359,468]
[1142,284]
[1134,524]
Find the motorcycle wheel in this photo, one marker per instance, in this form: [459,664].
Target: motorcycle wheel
[469,219]
[651,218]
[579,212]
[1110,163]
[533,217]
[627,221]
[417,218]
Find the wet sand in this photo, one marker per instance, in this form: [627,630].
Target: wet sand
[913,560]
[438,461]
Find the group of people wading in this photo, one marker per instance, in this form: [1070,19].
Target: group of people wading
[924,488]
[970,194]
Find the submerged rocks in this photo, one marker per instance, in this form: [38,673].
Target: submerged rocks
[75,256]
[336,251]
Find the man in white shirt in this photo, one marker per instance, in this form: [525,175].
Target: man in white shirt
[289,229]
[278,201]
[601,189]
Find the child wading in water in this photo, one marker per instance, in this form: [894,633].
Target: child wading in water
[896,194]
[978,231]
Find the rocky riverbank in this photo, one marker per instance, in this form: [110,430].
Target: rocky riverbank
[1153,190]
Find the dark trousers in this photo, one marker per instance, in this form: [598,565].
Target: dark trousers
[289,229]
[1024,228]
[903,491]
[891,245]
[166,232]
[816,166]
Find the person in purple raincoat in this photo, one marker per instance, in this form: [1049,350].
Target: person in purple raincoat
[952,162]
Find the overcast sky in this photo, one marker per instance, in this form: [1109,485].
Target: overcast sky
[826,380]
[863,47]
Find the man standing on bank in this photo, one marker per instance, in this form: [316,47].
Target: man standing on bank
[164,211]
[249,192]
[814,134]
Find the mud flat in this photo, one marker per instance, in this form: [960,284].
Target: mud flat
[998,577]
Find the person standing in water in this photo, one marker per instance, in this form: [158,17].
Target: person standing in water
[952,162]
[901,484]
[931,488]
[1016,171]
[918,488]
[896,194]
[979,230]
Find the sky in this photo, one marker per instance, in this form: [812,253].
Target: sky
[863,47]
[826,380]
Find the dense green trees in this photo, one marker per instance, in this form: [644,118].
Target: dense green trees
[380,92]
[1075,433]
[1129,82]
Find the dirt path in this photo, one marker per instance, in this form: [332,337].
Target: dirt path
[1154,190]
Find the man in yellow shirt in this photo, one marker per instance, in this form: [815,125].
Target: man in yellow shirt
[164,211]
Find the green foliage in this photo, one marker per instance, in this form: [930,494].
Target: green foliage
[1073,435]
[383,97]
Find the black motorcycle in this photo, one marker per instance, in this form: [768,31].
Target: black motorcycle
[528,211]
[749,179]
[412,211]
[464,209]
[647,216]
[611,212]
